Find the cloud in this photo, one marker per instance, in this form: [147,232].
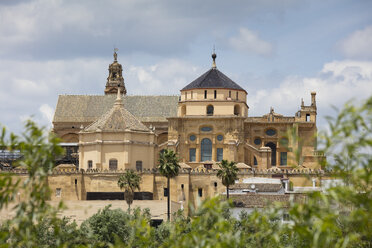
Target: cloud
[358,44]
[249,42]
[47,113]
[31,88]
[337,82]
[166,77]
[45,29]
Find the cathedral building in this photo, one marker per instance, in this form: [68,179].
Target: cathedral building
[208,122]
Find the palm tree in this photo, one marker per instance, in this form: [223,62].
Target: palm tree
[168,166]
[129,181]
[228,172]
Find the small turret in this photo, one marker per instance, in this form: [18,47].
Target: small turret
[307,113]
[313,102]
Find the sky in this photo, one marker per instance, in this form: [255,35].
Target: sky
[277,50]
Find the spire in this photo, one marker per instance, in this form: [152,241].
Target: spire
[214,56]
[118,101]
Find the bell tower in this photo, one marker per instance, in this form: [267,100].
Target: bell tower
[115,79]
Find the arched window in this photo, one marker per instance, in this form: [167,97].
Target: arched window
[113,164]
[273,152]
[255,161]
[237,110]
[210,110]
[206,150]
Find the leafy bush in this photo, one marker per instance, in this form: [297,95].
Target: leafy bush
[339,217]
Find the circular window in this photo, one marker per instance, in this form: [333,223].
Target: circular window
[219,137]
[206,129]
[270,132]
[257,141]
[192,137]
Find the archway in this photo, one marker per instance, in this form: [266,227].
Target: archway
[273,152]
[237,110]
[210,110]
[255,163]
[206,150]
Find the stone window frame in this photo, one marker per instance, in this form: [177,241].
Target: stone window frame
[219,149]
[194,154]
[113,162]
[90,164]
[210,109]
[58,192]
[271,128]
[255,139]
[139,164]
[220,135]
[204,147]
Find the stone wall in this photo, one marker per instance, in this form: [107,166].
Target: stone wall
[190,186]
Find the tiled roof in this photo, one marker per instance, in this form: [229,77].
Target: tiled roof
[88,108]
[117,119]
[243,166]
[213,79]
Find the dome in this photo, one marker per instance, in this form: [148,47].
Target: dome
[213,79]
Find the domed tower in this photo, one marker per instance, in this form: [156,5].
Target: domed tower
[213,94]
[115,79]
[209,125]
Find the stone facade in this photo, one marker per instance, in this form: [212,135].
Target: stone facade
[208,122]
[190,186]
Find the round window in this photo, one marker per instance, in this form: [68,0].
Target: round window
[257,141]
[206,129]
[192,137]
[219,137]
[270,132]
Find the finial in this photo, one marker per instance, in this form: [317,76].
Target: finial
[214,56]
[115,54]
[118,98]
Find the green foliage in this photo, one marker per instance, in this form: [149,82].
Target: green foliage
[228,173]
[114,226]
[50,232]
[168,166]
[129,181]
[339,217]
[38,151]
[168,163]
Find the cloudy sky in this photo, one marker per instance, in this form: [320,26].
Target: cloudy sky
[279,51]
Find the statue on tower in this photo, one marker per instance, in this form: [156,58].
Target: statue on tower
[115,79]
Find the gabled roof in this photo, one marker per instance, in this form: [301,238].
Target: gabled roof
[88,108]
[213,79]
[117,119]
